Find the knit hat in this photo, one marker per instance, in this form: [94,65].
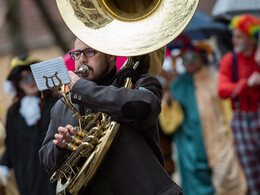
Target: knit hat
[19,63]
[247,24]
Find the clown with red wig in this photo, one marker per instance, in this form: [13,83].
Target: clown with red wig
[239,79]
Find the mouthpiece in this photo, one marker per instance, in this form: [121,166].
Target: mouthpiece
[82,70]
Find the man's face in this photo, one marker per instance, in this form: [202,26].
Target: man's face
[241,42]
[99,65]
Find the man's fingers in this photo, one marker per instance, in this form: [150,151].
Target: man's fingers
[70,129]
[59,141]
[64,136]
[62,130]
[59,137]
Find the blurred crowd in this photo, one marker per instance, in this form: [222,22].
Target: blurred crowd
[209,123]
[211,112]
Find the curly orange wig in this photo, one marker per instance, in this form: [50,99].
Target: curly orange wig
[247,24]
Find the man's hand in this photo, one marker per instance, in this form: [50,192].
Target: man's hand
[4,174]
[74,79]
[3,180]
[64,134]
[122,74]
[167,97]
[254,79]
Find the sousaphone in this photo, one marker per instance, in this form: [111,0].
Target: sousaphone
[127,27]
[121,28]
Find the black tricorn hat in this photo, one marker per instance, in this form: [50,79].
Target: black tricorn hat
[19,63]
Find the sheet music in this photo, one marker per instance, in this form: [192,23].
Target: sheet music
[53,71]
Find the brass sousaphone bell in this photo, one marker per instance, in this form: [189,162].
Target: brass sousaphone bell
[121,28]
[128,27]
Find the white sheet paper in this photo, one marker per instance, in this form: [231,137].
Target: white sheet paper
[54,70]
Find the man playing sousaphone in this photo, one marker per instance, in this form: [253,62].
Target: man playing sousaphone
[133,163]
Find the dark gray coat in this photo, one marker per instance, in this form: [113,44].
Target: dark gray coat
[134,163]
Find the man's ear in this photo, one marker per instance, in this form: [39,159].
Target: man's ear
[111,59]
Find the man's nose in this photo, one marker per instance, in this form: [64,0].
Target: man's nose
[83,58]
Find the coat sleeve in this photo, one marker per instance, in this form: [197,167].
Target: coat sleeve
[50,155]
[138,106]
[123,104]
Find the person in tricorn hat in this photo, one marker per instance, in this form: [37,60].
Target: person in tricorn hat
[239,79]
[26,123]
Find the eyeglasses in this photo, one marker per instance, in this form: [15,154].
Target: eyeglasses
[27,78]
[88,52]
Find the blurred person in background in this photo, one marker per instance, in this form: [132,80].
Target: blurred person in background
[26,125]
[168,122]
[239,79]
[206,158]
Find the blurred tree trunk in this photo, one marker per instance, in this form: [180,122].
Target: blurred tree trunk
[15,30]
[47,18]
